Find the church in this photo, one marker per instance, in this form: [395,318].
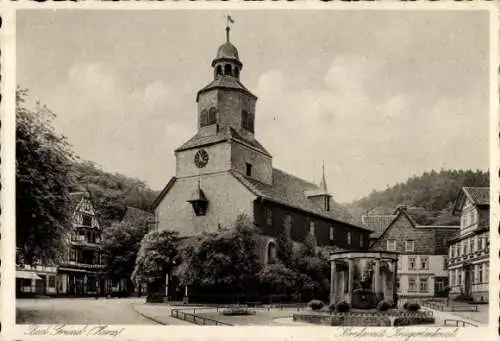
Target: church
[224,171]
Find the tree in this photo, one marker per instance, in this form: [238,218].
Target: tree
[309,247]
[43,164]
[279,279]
[156,256]
[224,262]
[284,248]
[111,193]
[121,243]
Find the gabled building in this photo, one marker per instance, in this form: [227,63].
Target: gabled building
[469,250]
[80,273]
[422,260]
[80,270]
[224,171]
[377,223]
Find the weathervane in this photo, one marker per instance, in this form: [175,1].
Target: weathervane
[229,20]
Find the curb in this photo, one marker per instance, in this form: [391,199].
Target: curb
[148,317]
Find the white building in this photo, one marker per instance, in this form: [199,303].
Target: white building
[422,260]
[469,250]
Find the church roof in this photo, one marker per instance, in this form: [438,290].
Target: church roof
[228,134]
[291,191]
[225,82]
[227,50]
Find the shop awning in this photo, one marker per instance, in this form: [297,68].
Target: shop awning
[26,275]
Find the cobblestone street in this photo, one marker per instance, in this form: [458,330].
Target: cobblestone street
[79,311]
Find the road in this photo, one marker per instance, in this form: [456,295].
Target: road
[79,311]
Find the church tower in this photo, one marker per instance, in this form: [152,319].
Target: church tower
[225,138]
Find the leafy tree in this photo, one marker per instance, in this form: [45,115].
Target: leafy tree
[279,279]
[284,247]
[112,193]
[43,164]
[317,268]
[121,243]
[156,256]
[224,261]
[429,197]
[309,247]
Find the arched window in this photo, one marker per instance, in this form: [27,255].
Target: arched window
[204,118]
[227,69]
[218,71]
[271,252]
[236,72]
[212,115]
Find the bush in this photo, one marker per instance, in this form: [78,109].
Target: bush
[409,321]
[155,298]
[315,305]
[405,305]
[238,311]
[414,306]
[383,306]
[464,298]
[342,307]
[332,307]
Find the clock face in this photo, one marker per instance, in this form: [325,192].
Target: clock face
[201,158]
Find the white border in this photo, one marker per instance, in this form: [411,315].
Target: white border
[8,85]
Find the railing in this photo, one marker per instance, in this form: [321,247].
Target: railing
[458,323]
[196,319]
[434,305]
[83,265]
[449,307]
[386,313]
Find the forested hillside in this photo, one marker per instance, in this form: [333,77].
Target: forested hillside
[111,193]
[429,197]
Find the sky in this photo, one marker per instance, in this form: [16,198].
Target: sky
[378,96]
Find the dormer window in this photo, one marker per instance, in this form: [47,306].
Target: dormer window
[199,202]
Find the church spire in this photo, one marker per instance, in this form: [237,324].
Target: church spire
[322,185]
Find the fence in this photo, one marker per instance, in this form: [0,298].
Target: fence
[196,319]
[458,323]
[451,307]
[386,313]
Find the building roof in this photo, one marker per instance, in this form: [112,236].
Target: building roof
[479,196]
[75,198]
[377,223]
[440,234]
[227,134]
[225,82]
[291,191]
[227,50]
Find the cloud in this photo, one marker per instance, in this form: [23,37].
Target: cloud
[352,125]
